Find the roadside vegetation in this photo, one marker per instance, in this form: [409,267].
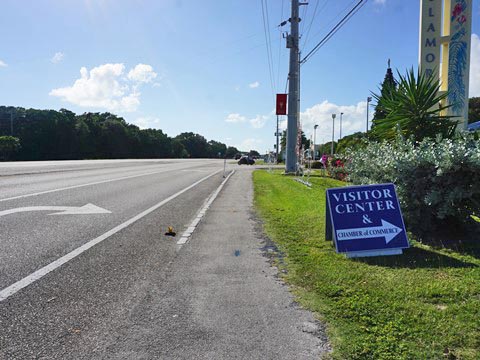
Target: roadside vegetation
[424,304]
[31,134]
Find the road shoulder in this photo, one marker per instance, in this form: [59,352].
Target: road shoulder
[223,297]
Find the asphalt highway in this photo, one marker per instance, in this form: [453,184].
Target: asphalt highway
[31,240]
[87,272]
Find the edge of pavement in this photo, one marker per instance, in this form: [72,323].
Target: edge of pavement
[229,298]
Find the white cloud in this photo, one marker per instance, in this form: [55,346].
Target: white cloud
[259,122]
[142,73]
[474,85]
[235,118]
[58,57]
[3,64]
[254,85]
[129,103]
[147,122]
[353,120]
[249,144]
[106,87]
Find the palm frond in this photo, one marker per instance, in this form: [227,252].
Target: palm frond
[414,108]
[458,62]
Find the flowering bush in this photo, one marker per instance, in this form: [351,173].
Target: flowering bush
[336,167]
[437,181]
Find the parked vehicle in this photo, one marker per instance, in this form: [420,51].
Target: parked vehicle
[247,160]
[474,126]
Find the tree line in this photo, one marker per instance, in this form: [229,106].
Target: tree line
[31,134]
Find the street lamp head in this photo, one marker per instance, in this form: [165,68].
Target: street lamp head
[341,114]
[369,99]
[334,116]
[315,127]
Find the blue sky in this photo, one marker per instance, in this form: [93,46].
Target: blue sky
[201,66]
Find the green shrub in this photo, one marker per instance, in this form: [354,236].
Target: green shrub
[355,141]
[317,165]
[437,181]
[9,145]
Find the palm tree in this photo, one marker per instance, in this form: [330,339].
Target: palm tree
[414,110]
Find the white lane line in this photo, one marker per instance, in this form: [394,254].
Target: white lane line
[26,281]
[60,210]
[88,184]
[191,228]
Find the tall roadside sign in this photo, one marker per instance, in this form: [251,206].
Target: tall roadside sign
[365,220]
[444,51]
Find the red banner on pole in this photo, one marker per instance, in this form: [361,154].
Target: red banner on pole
[281,104]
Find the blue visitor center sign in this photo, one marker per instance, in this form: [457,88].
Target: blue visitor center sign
[365,220]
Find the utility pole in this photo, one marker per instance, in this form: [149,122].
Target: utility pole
[293,90]
[277,134]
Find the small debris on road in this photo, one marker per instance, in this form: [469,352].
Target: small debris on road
[170,232]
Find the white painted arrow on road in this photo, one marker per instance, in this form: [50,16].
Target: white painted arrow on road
[60,210]
[387,230]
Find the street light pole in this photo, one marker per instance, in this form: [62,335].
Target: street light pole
[333,131]
[341,115]
[314,140]
[368,102]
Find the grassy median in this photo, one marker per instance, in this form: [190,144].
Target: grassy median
[424,304]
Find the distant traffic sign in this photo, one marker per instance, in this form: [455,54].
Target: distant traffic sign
[365,220]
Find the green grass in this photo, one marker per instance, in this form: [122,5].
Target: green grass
[424,304]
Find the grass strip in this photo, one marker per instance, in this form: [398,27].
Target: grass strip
[424,304]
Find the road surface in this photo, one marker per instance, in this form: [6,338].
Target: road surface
[87,272]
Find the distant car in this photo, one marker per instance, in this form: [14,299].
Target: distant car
[238,156]
[474,126]
[246,160]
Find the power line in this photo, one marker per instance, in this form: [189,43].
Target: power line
[269,38]
[280,45]
[311,22]
[304,16]
[337,27]
[334,19]
[313,18]
[268,45]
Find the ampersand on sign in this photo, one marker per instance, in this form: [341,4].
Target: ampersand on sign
[366,219]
